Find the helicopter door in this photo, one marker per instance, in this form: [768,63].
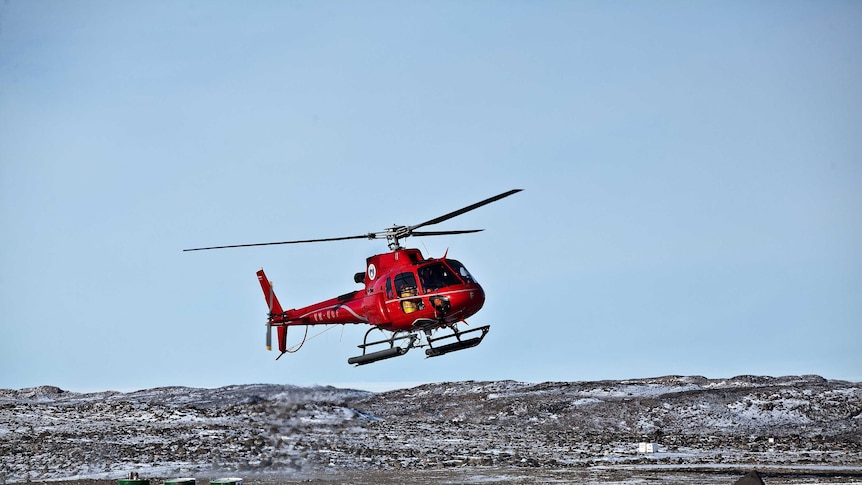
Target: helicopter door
[405,288]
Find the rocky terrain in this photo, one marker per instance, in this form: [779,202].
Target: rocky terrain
[478,431]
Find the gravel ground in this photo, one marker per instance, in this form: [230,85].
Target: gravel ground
[793,429]
[520,476]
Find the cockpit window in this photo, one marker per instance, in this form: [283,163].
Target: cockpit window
[437,275]
[462,271]
[405,286]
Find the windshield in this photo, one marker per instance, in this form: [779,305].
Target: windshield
[461,270]
[437,275]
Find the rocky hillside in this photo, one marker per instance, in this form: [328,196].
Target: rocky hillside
[808,421]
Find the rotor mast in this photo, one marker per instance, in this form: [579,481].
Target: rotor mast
[393,237]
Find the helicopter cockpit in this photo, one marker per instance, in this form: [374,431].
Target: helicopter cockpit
[443,273]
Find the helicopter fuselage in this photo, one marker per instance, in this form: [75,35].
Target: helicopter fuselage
[403,292]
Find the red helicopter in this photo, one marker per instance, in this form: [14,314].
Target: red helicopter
[405,294]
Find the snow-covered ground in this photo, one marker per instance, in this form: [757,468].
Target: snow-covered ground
[586,429]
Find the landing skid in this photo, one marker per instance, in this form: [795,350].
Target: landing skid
[392,351]
[415,340]
[459,344]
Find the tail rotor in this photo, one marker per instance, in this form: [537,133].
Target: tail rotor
[269,300]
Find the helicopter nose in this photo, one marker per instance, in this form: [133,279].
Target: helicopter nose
[471,300]
[478,295]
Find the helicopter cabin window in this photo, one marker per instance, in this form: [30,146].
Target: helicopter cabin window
[405,288]
[435,276]
[461,270]
[389,293]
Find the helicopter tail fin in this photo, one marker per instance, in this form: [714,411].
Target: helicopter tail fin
[274,309]
[268,293]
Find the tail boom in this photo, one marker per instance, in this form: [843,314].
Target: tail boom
[341,310]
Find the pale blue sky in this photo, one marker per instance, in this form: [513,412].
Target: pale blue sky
[691,176]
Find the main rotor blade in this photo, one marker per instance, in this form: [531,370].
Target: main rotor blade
[444,233]
[370,235]
[465,209]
